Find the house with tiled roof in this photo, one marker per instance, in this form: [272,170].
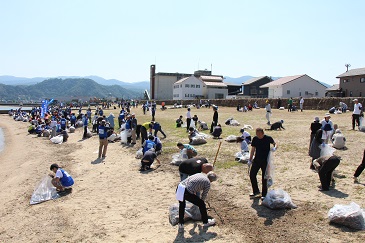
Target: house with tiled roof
[352,82]
[295,86]
[251,88]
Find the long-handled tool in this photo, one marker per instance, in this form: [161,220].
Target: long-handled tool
[216,155]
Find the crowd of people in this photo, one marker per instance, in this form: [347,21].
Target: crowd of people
[196,174]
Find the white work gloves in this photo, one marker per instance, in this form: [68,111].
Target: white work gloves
[273,149]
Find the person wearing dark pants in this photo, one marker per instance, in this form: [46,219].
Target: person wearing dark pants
[325,167]
[359,169]
[157,128]
[215,119]
[356,114]
[145,128]
[191,186]
[85,123]
[188,119]
[260,148]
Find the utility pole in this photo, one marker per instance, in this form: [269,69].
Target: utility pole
[347,65]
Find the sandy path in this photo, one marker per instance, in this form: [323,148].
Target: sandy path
[111,202]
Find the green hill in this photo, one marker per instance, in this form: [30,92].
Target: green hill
[66,89]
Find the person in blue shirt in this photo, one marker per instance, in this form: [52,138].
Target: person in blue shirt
[103,141]
[88,112]
[101,113]
[148,144]
[63,123]
[121,117]
[73,119]
[85,121]
[157,127]
[61,180]
[158,143]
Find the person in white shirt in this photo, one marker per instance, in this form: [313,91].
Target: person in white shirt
[268,112]
[356,114]
[188,120]
[338,140]
[327,128]
[301,103]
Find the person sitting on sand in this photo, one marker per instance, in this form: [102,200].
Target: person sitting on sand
[190,150]
[277,125]
[61,180]
[338,139]
[148,159]
[217,131]
[192,133]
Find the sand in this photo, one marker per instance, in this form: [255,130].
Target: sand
[113,202]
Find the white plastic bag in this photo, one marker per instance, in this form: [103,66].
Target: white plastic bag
[72,129]
[231,138]
[361,122]
[270,169]
[326,150]
[139,153]
[278,199]
[198,139]
[57,140]
[124,136]
[191,212]
[234,123]
[44,191]
[112,137]
[242,156]
[180,157]
[350,215]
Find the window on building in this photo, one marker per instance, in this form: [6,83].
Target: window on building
[345,80]
[360,94]
[260,91]
[192,86]
[306,92]
[186,86]
[219,96]
[350,93]
[316,93]
[362,80]
[300,94]
[288,91]
[186,95]
[253,90]
[198,86]
[180,85]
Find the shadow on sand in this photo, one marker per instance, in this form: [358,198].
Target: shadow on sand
[197,234]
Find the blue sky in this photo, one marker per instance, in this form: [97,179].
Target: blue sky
[121,39]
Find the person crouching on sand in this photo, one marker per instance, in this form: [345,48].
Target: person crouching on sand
[61,180]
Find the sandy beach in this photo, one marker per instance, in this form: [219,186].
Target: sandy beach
[113,202]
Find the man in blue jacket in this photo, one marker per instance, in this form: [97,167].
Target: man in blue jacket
[103,141]
[157,127]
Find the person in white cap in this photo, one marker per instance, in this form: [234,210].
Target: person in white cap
[356,114]
[338,140]
[327,127]
[268,112]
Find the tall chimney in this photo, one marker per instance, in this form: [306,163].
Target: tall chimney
[152,80]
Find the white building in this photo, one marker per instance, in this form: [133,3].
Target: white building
[295,86]
[207,87]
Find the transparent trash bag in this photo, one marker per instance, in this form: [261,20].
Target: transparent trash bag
[278,199]
[242,156]
[231,138]
[326,150]
[350,215]
[180,157]
[44,191]
[139,153]
[270,169]
[57,140]
[191,212]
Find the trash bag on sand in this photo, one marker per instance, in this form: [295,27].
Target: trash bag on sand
[350,215]
[124,136]
[88,133]
[231,138]
[198,139]
[139,154]
[44,191]
[57,140]
[178,158]
[72,129]
[326,150]
[191,212]
[46,133]
[242,156]
[278,199]
[234,123]
[112,137]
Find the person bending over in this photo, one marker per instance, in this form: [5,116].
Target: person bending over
[148,159]
[193,166]
[277,125]
[325,166]
[190,150]
[61,180]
